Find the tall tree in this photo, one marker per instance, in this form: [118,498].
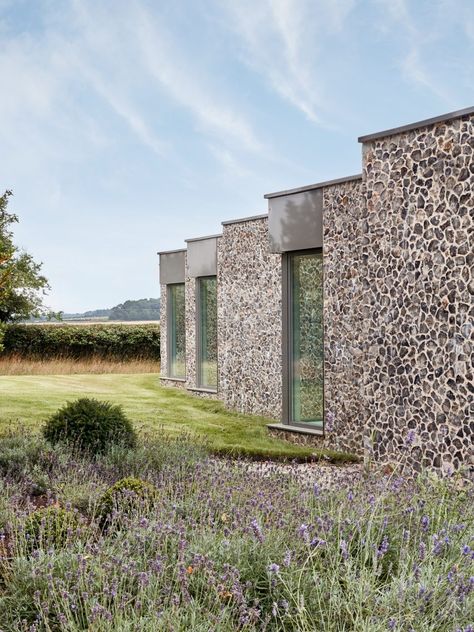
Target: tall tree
[22,286]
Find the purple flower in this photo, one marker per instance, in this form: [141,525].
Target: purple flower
[410,438]
[274,568]
[383,547]
[330,418]
[257,530]
[425,522]
[303,532]
[422,550]
[344,549]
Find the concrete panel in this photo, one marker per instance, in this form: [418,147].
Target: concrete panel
[202,257]
[295,221]
[172,267]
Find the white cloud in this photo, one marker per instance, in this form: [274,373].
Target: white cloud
[283,41]
[189,86]
[414,42]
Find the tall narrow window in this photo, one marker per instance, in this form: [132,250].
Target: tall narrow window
[176,331]
[207,332]
[305,338]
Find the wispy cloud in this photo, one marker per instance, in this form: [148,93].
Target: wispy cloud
[414,42]
[189,87]
[283,41]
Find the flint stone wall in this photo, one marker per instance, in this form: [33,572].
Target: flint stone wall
[417,255]
[345,408]
[249,304]
[163,331]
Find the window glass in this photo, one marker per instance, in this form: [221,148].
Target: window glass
[306,338]
[176,331]
[207,332]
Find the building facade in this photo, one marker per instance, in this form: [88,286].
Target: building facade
[345,313]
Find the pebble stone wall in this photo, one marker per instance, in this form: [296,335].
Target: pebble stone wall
[249,319]
[417,254]
[345,410]
[163,331]
[398,304]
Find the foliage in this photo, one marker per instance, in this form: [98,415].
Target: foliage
[228,547]
[126,495]
[22,286]
[50,527]
[121,342]
[90,425]
[142,309]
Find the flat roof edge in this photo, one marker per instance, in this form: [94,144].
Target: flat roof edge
[170,252]
[411,126]
[203,238]
[312,187]
[244,219]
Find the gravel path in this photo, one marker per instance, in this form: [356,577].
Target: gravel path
[325,476]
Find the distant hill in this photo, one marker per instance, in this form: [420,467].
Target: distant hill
[142,309]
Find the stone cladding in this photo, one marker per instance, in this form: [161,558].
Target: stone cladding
[417,256]
[345,411]
[249,304]
[398,257]
[190,298]
[163,331]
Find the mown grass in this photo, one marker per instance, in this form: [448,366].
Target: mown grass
[27,400]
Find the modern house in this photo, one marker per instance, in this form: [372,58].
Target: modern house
[345,313]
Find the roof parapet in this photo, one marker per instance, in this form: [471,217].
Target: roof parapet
[425,123]
[312,187]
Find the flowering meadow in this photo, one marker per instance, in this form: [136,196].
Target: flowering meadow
[220,546]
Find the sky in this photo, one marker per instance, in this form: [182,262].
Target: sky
[127,126]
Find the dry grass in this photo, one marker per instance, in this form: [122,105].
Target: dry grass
[16,365]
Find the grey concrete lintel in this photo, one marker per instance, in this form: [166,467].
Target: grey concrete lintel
[172,267]
[202,257]
[311,187]
[443,118]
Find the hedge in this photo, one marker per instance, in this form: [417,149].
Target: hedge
[120,342]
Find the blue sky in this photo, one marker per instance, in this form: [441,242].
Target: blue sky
[127,126]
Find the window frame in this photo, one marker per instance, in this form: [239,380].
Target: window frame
[171,331]
[199,337]
[287,342]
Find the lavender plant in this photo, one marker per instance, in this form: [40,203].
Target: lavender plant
[223,547]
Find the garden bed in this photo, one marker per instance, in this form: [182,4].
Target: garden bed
[229,546]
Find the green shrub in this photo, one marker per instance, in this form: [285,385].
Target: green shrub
[90,425]
[50,527]
[126,495]
[119,342]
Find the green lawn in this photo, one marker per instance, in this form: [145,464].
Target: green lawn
[27,400]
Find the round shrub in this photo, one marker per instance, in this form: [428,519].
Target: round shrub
[90,425]
[126,496]
[50,527]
